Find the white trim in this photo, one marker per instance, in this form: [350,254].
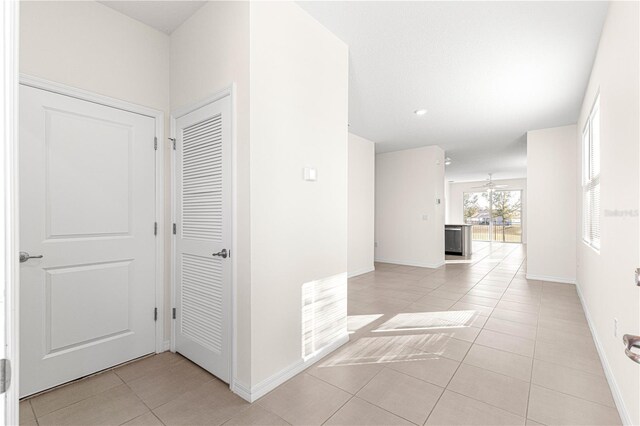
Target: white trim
[552,279]
[158,116]
[166,345]
[615,390]
[9,215]
[272,382]
[361,271]
[175,114]
[411,263]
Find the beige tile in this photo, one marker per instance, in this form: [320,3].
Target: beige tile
[559,314]
[350,378]
[532,423]
[481,310]
[515,316]
[566,355]
[147,419]
[506,342]
[479,300]
[576,328]
[305,400]
[403,395]
[73,392]
[436,370]
[149,365]
[554,408]
[440,345]
[519,307]
[511,327]
[444,294]
[209,403]
[163,386]
[574,382]
[256,415]
[439,302]
[527,300]
[114,406]
[26,413]
[360,412]
[484,293]
[456,409]
[579,342]
[507,363]
[496,389]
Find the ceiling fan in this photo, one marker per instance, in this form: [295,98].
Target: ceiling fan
[490,184]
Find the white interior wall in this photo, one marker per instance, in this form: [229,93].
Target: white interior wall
[209,52]
[409,223]
[361,205]
[299,99]
[454,200]
[551,210]
[89,46]
[605,279]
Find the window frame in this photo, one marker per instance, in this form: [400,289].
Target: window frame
[591,172]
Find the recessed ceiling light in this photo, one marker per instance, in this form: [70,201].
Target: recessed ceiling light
[447,161]
[420,112]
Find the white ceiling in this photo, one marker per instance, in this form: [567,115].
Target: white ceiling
[164,16]
[486,72]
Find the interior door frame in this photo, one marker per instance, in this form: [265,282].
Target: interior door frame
[9,226]
[175,114]
[158,116]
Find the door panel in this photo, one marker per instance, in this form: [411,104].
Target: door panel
[87,203]
[203,293]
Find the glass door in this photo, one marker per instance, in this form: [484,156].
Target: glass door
[496,215]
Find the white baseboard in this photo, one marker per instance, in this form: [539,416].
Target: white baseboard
[615,390]
[552,279]
[166,345]
[411,263]
[270,383]
[361,271]
[242,390]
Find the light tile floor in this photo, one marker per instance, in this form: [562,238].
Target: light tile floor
[470,343]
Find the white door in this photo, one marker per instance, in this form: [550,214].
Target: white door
[87,206]
[203,237]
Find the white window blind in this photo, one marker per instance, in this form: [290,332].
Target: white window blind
[591,178]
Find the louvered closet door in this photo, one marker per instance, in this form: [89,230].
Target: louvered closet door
[203,293]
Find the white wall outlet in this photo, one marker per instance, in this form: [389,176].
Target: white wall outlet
[425,217]
[615,327]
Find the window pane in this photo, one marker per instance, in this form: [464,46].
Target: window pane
[595,142]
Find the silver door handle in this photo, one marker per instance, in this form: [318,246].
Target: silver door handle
[24,256]
[222,253]
[631,341]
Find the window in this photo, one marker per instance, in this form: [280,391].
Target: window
[591,178]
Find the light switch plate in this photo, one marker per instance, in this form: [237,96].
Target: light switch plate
[310,174]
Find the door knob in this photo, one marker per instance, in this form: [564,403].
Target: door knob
[24,256]
[631,341]
[222,253]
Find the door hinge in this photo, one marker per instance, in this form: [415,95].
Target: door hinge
[173,140]
[155,143]
[174,229]
[155,314]
[155,228]
[5,375]
[173,313]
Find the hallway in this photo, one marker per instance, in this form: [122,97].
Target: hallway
[463,344]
